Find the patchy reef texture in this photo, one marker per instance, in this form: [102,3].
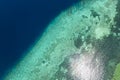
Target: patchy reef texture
[82,43]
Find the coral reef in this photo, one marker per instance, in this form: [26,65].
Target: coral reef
[82,43]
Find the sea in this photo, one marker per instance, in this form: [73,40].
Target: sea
[21,23]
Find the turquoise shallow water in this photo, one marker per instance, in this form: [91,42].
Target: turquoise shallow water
[82,43]
[21,22]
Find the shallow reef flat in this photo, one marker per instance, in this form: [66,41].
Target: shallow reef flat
[82,43]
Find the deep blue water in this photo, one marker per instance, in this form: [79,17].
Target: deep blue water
[21,22]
